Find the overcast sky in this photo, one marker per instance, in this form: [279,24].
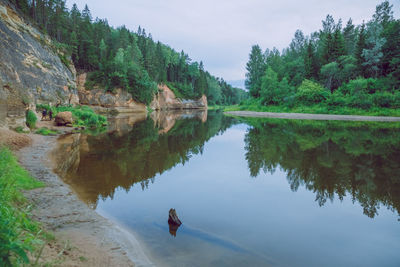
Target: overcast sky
[221,32]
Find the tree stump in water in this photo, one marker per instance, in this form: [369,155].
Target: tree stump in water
[173,222]
[173,218]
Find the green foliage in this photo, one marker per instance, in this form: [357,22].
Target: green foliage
[85,116]
[31,119]
[361,62]
[272,91]
[120,58]
[20,129]
[255,70]
[45,131]
[82,115]
[18,234]
[310,92]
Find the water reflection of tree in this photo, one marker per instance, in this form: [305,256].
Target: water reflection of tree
[331,159]
[111,160]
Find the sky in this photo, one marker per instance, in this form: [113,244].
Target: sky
[221,32]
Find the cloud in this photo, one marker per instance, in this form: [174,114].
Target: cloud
[221,33]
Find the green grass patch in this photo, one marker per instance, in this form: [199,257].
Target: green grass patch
[46,131]
[82,115]
[19,235]
[20,129]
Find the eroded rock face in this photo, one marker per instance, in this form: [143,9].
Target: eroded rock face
[31,71]
[165,99]
[64,118]
[120,101]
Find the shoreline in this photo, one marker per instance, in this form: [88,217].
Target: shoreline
[309,116]
[58,209]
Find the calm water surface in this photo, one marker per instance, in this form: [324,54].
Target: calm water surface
[254,192]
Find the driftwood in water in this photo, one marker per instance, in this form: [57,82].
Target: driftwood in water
[173,222]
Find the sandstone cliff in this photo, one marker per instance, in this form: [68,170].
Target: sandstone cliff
[165,99]
[31,70]
[122,101]
[102,101]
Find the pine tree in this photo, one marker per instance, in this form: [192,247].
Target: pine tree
[327,55]
[391,51]
[360,46]
[310,62]
[349,34]
[338,45]
[255,70]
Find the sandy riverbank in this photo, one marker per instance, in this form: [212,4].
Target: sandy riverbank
[305,116]
[91,239]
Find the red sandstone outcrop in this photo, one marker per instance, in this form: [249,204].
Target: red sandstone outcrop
[165,99]
[120,101]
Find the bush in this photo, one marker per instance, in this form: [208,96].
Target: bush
[383,99]
[31,119]
[310,92]
[359,86]
[363,101]
[337,100]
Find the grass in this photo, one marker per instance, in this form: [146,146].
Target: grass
[19,235]
[45,131]
[82,115]
[313,109]
[20,129]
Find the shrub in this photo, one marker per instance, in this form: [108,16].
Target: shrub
[363,101]
[359,86]
[337,99]
[31,119]
[383,99]
[310,92]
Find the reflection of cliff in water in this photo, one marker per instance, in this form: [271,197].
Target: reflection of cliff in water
[331,158]
[96,165]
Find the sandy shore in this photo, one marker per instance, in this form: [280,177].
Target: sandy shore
[91,239]
[305,116]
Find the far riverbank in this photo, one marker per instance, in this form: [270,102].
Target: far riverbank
[306,116]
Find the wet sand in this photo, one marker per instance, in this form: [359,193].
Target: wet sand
[96,240]
[305,116]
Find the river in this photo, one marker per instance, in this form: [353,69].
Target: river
[249,192]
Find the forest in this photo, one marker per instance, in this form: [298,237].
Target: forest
[121,58]
[337,68]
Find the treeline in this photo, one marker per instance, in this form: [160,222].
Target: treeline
[351,66]
[120,58]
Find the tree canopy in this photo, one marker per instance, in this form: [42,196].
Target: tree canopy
[331,59]
[121,58]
